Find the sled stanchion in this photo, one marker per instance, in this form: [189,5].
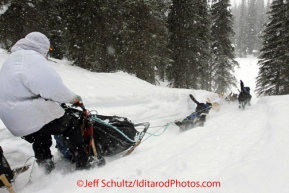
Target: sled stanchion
[6,183]
[93,147]
[93,144]
[142,134]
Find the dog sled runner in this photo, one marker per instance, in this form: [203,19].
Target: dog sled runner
[7,174]
[105,135]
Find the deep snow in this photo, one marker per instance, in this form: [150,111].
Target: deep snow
[245,151]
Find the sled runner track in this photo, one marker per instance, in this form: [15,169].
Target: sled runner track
[141,135]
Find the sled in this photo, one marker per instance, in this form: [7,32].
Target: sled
[105,135]
[7,174]
[6,183]
[18,170]
[15,172]
[5,171]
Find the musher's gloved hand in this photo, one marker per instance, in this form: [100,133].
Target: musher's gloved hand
[77,101]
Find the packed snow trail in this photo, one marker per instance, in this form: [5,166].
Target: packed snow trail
[222,150]
[244,150]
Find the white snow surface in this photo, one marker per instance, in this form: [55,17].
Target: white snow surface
[236,151]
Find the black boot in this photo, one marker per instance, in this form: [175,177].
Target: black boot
[81,158]
[42,152]
[84,161]
[47,164]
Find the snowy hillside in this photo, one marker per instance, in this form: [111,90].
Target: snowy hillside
[236,151]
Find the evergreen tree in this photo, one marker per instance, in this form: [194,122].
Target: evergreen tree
[203,23]
[189,43]
[223,51]
[261,20]
[81,35]
[241,38]
[109,27]
[236,17]
[23,17]
[144,38]
[91,33]
[251,34]
[285,57]
[50,17]
[273,72]
[162,59]
[250,17]
[17,21]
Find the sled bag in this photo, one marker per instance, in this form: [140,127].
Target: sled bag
[109,141]
[5,168]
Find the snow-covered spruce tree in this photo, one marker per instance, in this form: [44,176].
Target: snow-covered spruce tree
[203,23]
[80,21]
[144,37]
[22,17]
[19,19]
[162,59]
[241,45]
[273,72]
[189,43]
[50,18]
[251,32]
[90,33]
[109,27]
[223,51]
[261,20]
[286,47]
[249,20]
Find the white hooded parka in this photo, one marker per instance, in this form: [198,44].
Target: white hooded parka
[24,76]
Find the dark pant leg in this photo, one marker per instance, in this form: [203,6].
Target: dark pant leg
[67,125]
[41,144]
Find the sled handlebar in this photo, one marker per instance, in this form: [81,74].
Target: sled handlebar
[81,105]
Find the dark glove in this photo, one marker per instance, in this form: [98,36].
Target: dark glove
[78,101]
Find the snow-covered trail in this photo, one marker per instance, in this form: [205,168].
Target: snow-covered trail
[221,151]
[243,150]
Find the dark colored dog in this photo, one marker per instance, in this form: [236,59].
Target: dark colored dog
[202,108]
[197,118]
[244,96]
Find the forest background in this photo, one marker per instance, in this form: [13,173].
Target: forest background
[189,44]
